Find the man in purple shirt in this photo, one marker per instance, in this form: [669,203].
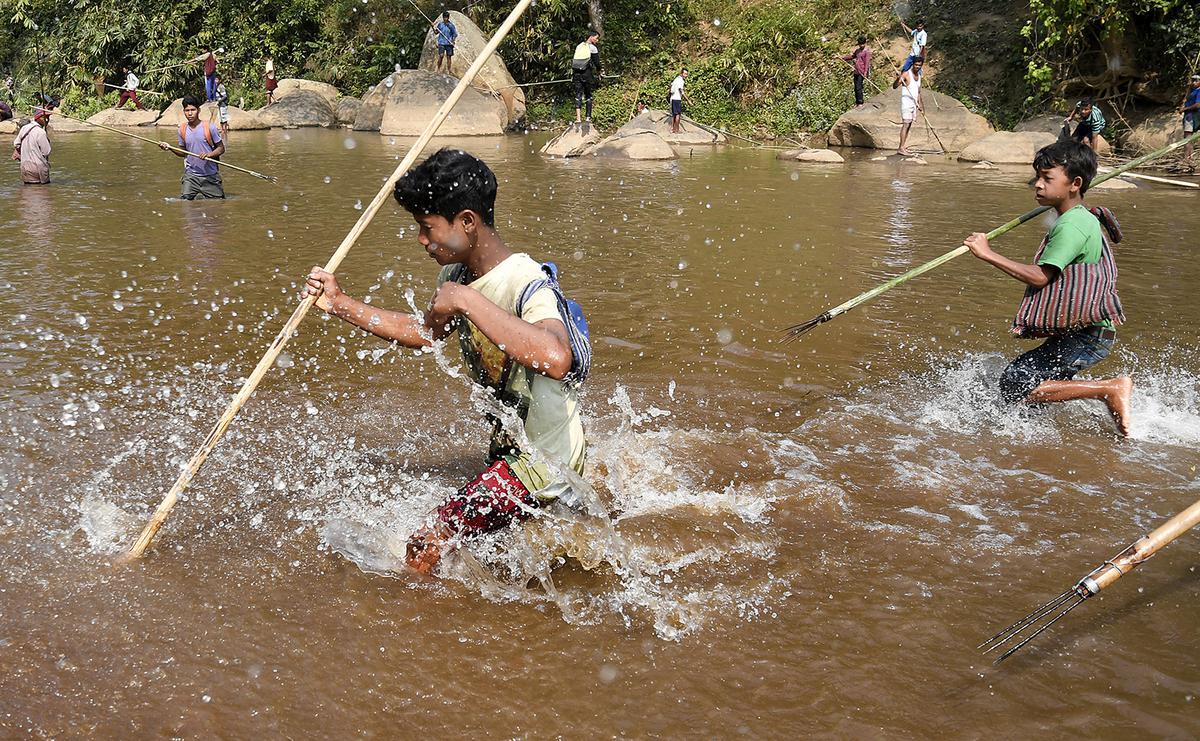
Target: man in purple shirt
[201,177]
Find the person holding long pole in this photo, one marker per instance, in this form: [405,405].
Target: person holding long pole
[909,83]
[129,91]
[860,58]
[202,142]
[1071,291]
[32,147]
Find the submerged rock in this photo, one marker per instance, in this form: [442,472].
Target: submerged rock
[494,78]
[346,110]
[299,108]
[575,141]
[1007,147]
[877,124]
[416,95]
[1113,184]
[637,145]
[811,155]
[123,117]
[985,165]
[659,122]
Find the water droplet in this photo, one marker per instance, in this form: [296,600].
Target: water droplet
[349,142]
[724,336]
[717,22]
[328,179]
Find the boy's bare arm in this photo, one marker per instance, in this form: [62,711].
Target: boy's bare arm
[543,346]
[393,326]
[1037,276]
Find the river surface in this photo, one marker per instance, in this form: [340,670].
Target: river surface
[808,538]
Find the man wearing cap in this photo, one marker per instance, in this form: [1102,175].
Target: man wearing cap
[1191,119]
[32,148]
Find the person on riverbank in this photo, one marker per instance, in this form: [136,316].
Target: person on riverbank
[920,42]
[129,90]
[861,59]
[447,34]
[1091,123]
[209,60]
[513,339]
[909,83]
[222,107]
[271,84]
[585,70]
[1071,291]
[5,111]
[677,98]
[1190,108]
[32,147]
[201,176]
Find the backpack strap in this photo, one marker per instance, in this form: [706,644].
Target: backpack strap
[207,134]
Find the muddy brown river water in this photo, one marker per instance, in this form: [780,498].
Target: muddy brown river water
[811,538]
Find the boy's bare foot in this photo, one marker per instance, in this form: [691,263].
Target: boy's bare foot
[424,550]
[1118,403]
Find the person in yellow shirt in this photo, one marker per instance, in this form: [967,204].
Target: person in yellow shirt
[514,337]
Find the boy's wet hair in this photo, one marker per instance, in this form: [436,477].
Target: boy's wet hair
[448,183]
[189,100]
[1076,158]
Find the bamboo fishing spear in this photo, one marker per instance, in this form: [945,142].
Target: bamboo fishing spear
[796,330]
[931,129]
[159,142]
[1098,578]
[268,359]
[139,90]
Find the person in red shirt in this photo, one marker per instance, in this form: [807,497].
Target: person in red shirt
[861,59]
[210,73]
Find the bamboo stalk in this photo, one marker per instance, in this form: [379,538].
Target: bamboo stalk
[797,330]
[1155,179]
[268,359]
[159,142]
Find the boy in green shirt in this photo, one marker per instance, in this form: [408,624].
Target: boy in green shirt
[513,342]
[1071,296]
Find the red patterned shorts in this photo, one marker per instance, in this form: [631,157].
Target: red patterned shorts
[490,501]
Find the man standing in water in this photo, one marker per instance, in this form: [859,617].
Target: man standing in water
[677,98]
[513,338]
[909,83]
[1071,294]
[32,147]
[446,36]
[201,176]
[585,70]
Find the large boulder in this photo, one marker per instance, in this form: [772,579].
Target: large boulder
[124,117]
[637,145]
[1154,132]
[60,125]
[300,108]
[290,85]
[239,120]
[877,124]
[494,77]
[1047,123]
[575,141]
[346,110]
[9,127]
[827,156]
[659,122]
[370,110]
[1007,147]
[416,95]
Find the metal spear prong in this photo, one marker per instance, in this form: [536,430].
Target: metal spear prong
[1073,596]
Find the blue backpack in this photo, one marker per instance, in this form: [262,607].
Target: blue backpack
[572,317]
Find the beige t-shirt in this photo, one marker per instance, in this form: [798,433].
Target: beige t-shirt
[550,409]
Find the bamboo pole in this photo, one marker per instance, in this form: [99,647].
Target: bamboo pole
[139,90]
[161,143]
[797,330]
[1154,179]
[1035,623]
[931,129]
[268,359]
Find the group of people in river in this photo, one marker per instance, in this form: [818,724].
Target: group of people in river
[525,341]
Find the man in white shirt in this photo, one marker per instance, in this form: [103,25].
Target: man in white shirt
[677,98]
[129,90]
[920,41]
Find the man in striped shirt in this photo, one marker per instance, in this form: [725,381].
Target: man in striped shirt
[1071,293]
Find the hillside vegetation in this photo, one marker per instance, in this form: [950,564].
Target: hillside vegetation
[759,67]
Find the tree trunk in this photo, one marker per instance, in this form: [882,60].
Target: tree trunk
[596,15]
